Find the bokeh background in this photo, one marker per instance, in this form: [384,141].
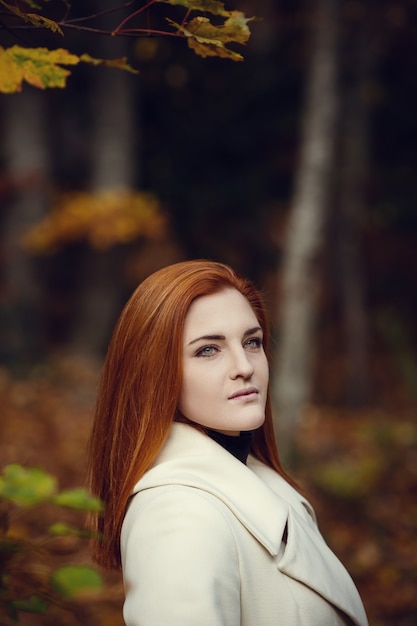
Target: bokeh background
[296,166]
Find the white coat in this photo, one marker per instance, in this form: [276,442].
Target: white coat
[209,541]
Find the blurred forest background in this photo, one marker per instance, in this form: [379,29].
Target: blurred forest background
[296,166]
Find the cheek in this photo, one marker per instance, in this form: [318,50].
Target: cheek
[191,391]
[264,369]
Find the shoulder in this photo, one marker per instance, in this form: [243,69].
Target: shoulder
[176,498]
[177,544]
[180,510]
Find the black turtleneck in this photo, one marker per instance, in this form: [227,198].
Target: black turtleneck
[239,445]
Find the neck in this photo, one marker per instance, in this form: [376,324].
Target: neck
[238,445]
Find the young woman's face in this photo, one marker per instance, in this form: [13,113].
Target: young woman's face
[225,370]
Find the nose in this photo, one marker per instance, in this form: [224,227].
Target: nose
[241,366]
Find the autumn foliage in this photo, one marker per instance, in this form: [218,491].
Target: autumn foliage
[45,68]
[31,581]
[42,68]
[102,219]
[357,468]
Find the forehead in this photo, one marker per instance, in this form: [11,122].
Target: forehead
[219,312]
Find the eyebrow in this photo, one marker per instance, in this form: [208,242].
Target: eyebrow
[250,331]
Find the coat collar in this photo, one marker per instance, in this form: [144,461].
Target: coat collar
[191,458]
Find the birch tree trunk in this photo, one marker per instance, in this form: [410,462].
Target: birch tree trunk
[27,165]
[114,166]
[291,382]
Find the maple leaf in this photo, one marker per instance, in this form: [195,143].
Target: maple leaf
[39,67]
[207,39]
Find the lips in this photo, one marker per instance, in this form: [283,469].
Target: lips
[242,393]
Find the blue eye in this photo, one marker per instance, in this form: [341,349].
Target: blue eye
[254,343]
[206,351]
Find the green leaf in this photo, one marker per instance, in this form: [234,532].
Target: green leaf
[78,499]
[26,487]
[34,604]
[61,529]
[74,580]
[349,478]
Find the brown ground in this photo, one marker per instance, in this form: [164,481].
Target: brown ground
[359,469]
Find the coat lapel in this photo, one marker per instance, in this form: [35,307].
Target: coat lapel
[308,559]
[265,504]
[191,458]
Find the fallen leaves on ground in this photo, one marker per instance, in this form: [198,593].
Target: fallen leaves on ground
[358,468]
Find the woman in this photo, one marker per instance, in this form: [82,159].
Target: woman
[199,514]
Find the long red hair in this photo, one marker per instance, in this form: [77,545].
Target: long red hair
[140,387]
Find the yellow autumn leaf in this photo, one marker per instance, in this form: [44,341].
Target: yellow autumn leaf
[207,39]
[213,49]
[120,63]
[44,22]
[32,18]
[103,219]
[39,67]
[234,29]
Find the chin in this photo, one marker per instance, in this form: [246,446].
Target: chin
[253,425]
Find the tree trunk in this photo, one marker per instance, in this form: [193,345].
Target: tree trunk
[291,383]
[27,167]
[351,194]
[115,166]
